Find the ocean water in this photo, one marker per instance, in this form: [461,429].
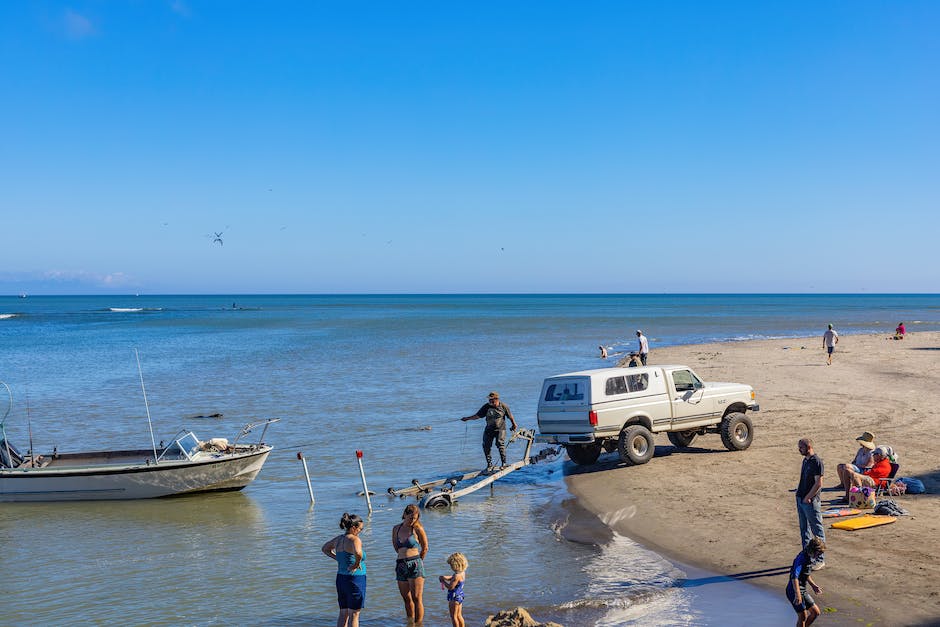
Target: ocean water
[347,373]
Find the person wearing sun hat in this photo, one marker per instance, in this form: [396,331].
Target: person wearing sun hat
[863,458]
[866,444]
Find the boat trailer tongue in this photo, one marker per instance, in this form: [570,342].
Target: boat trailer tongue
[443,492]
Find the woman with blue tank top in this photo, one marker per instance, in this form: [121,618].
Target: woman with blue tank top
[411,544]
[350,558]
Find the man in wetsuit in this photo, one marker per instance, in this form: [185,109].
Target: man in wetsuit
[495,413]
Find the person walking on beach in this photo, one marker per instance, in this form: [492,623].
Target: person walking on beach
[495,413]
[644,346]
[803,604]
[830,339]
[454,586]
[411,543]
[350,558]
[807,498]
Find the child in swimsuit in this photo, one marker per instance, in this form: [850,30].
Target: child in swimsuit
[454,586]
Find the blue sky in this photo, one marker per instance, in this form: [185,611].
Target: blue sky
[377,147]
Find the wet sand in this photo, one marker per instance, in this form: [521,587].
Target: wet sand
[735,513]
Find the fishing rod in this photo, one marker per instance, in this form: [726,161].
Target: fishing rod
[29,429]
[153,442]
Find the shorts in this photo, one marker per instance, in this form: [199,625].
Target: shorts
[799,608]
[351,591]
[829,349]
[409,568]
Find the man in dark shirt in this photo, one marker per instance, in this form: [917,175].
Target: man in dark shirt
[495,413]
[807,498]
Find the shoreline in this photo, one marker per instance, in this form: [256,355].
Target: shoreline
[733,513]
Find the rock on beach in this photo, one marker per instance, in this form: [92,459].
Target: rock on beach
[517,617]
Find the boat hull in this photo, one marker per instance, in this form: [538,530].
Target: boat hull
[231,471]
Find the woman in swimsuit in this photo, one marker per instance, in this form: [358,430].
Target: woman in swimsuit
[411,544]
[350,558]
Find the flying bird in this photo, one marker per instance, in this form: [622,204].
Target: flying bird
[218,238]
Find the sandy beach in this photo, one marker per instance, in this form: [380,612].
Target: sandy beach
[735,514]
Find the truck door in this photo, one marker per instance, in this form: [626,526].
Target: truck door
[687,393]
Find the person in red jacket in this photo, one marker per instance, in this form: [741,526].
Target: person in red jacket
[870,477]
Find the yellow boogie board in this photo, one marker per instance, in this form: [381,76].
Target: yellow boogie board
[863,522]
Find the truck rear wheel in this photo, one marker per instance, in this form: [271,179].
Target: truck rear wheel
[583,454]
[636,445]
[737,431]
[681,439]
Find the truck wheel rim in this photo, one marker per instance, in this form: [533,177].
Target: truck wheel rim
[740,432]
[640,445]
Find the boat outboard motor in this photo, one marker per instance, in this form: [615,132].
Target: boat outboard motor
[438,500]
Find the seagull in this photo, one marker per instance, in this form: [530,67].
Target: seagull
[218,238]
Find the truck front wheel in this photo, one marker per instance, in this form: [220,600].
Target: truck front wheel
[636,445]
[737,431]
[583,454]
[681,439]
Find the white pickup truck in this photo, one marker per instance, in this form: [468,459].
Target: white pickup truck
[621,408]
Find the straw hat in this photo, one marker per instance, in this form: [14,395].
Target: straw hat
[867,440]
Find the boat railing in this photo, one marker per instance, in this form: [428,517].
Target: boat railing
[253,425]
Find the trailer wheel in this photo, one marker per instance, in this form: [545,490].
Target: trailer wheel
[737,431]
[583,454]
[681,439]
[636,445]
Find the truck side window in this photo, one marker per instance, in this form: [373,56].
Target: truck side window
[615,385]
[638,382]
[683,381]
[550,393]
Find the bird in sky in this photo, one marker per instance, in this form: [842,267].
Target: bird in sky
[218,238]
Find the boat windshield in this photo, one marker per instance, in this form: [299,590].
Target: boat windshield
[183,447]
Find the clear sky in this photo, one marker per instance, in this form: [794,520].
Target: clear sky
[469,146]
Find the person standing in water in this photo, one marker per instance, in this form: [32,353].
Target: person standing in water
[495,413]
[350,558]
[411,543]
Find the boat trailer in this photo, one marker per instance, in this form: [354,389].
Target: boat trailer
[443,492]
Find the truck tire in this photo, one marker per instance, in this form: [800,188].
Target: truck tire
[636,445]
[583,454]
[681,439]
[737,431]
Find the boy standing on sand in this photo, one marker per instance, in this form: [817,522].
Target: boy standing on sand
[830,339]
[643,346]
[807,498]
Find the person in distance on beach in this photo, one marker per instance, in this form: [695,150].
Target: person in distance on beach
[350,558]
[603,351]
[900,331]
[803,604]
[830,339]
[807,498]
[411,543]
[495,413]
[643,346]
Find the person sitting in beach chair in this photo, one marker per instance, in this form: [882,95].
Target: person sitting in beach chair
[870,477]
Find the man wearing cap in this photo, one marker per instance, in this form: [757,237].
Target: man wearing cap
[495,413]
[644,346]
[830,339]
[869,477]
